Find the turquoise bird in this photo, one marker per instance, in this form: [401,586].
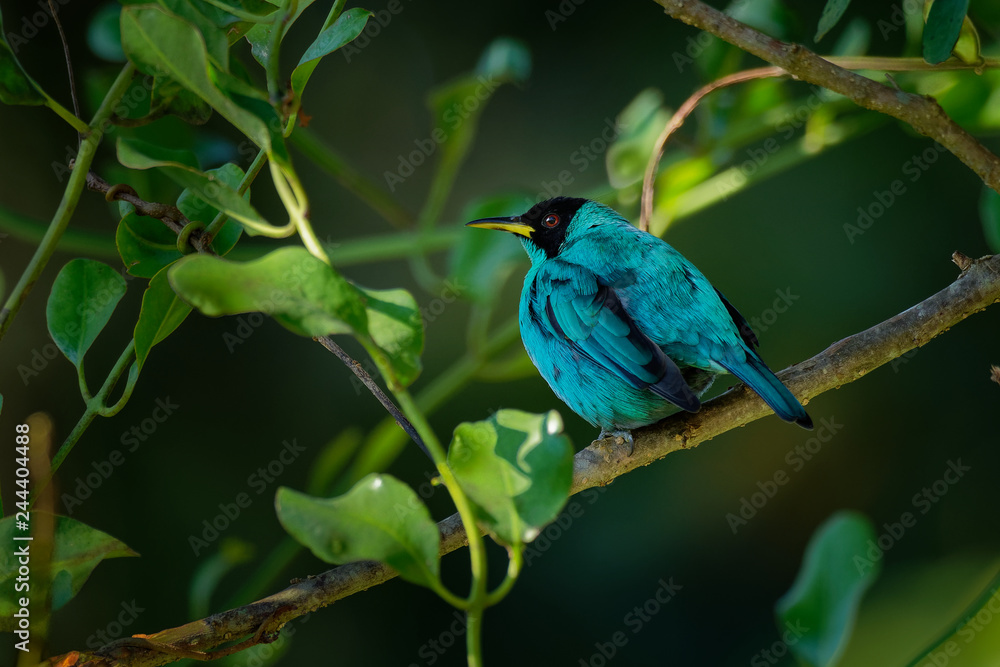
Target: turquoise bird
[622,326]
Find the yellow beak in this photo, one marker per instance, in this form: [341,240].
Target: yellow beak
[513,225]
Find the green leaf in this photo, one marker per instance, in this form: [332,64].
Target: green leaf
[942,29]
[517,468]
[162,311]
[634,135]
[332,460]
[397,328]
[343,31]
[823,602]
[83,297]
[989,214]
[506,59]
[481,263]
[104,33]
[181,166]
[216,43]
[260,35]
[381,519]
[176,100]
[968,47]
[76,551]
[197,209]
[161,44]
[146,245]
[301,292]
[16,87]
[832,12]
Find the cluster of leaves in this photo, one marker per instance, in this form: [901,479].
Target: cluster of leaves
[509,474]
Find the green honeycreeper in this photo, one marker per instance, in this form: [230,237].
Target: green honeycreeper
[622,326]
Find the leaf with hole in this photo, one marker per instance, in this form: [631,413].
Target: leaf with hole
[517,468]
[823,602]
[162,311]
[83,297]
[77,550]
[299,291]
[381,519]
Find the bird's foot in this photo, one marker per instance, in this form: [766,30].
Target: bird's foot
[612,442]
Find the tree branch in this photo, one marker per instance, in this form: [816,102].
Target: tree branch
[922,113]
[977,287]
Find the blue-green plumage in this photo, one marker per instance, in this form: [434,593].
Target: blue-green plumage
[621,325]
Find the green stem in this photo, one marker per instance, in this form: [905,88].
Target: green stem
[474,636]
[94,408]
[430,398]
[366,190]
[67,115]
[906,64]
[334,14]
[513,570]
[248,178]
[992,589]
[71,196]
[477,547]
[281,19]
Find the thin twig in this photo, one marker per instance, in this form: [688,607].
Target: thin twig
[924,114]
[843,362]
[168,214]
[69,61]
[367,380]
[678,119]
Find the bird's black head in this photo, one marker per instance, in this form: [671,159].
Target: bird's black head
[544,225]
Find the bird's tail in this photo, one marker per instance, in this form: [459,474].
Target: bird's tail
[760,378]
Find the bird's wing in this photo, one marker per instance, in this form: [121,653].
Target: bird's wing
[746,332]
[591,317]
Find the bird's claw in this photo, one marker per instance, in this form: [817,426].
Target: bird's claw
[615,440]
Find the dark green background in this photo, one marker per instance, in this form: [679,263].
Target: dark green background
[901,425]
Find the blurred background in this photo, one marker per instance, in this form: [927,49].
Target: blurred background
[761,190]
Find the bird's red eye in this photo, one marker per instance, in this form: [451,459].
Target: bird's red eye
[551,220]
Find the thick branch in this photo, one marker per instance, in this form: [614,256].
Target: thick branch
[845,361]
[923,113]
